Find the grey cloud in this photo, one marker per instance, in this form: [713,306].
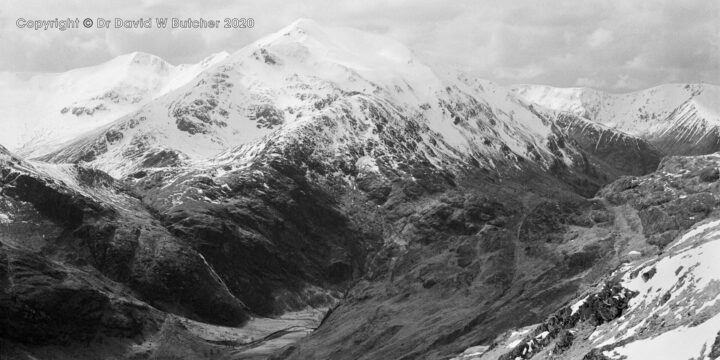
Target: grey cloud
[616,45]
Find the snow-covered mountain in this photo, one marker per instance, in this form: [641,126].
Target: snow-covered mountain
[117,114]
[44,110]
[194,211]
[345,87]
[677,118]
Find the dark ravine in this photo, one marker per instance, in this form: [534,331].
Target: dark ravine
[498,265]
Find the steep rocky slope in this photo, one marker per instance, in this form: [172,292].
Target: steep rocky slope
[82,217]
[87,272]
[661,301]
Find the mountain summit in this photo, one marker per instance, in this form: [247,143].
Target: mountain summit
[45,110]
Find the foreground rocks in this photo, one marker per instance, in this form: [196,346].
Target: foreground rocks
[84,223]
[660,292]
[672,199]
[47,303]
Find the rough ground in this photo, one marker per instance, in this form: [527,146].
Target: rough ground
[667,290]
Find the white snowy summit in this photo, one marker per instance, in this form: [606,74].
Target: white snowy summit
[44,110]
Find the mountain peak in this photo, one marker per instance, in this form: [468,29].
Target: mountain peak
[303,24]
[340,55]
[143,59]
[214,58]
[347,46]
[300,31]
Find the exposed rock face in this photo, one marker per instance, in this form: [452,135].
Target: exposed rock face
[670,200]
[715,350]
[617,151]
[684,122]
[463,264]
[97,222]
[709,174]
[271,237]
[597,309]
[47,303]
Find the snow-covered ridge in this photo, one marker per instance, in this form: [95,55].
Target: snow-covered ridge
[686,113]
[43,110]
[359,85]
[66,178]
[678,302]
[291,77]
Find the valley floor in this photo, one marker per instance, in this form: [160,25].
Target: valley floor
[182,338]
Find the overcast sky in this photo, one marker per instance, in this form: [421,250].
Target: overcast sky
[616,45]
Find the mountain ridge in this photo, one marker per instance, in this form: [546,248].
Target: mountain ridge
[67,104]
[274,82]
[677,118]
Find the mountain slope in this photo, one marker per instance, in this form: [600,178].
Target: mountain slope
[290,81]
[45,110]
[87,217]
[680,119]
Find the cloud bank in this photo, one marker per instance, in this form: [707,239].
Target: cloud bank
[615,45]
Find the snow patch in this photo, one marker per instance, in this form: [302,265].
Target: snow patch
[685,342]
[695,231]
[367,164]
[576,306]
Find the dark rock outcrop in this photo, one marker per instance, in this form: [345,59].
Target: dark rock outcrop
[605,306]
[709,174]
[670,200]
[46,303]
[715,350]
[123,243]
